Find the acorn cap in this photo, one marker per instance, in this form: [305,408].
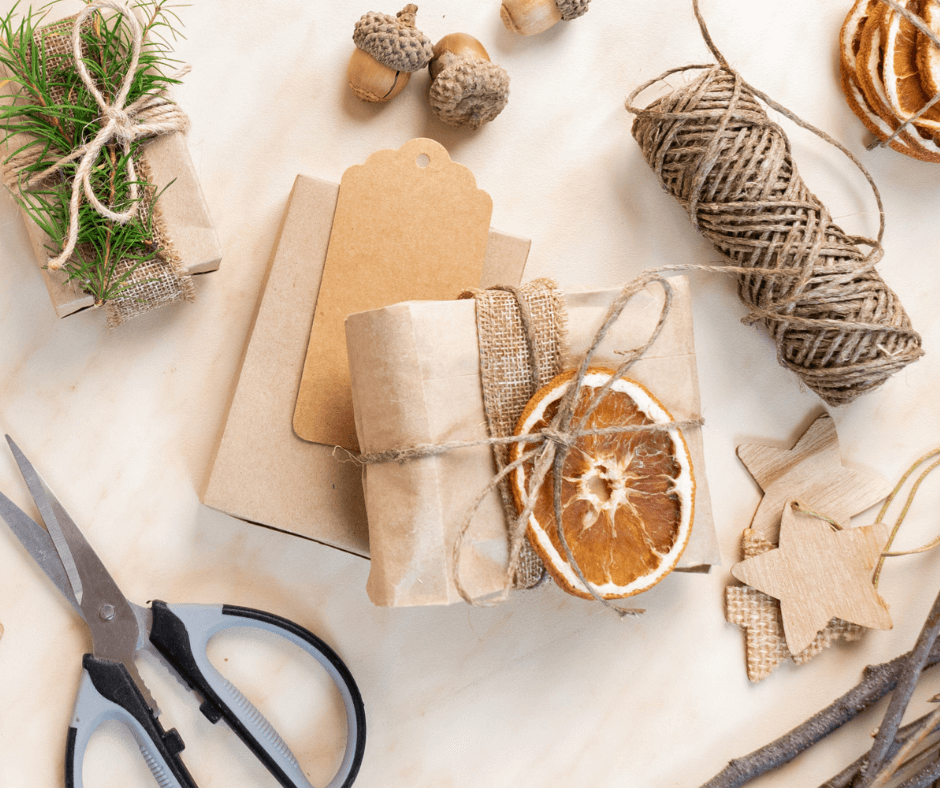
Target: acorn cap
[468,91]
[572,9]
[393,40]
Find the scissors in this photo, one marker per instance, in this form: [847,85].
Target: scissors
[111,687]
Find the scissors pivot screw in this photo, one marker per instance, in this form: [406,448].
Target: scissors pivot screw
[112,689]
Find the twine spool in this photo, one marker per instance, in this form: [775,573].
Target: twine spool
[835,322]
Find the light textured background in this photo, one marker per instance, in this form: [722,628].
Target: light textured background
[547,689]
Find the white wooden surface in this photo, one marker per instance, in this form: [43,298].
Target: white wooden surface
[547,689]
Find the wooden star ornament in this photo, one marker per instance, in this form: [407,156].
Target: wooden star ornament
[819,573]
[812,471]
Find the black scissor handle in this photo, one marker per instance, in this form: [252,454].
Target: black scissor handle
[182,632]
[107,692]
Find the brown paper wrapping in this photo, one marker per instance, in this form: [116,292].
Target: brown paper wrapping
[182,206]
[415,373]
[262,472]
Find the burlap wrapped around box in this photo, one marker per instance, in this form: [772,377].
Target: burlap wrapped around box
[416,379]
[182,226]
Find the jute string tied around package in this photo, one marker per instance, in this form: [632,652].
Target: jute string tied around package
[835,322]
[149,116]
[152,115]
[552,444]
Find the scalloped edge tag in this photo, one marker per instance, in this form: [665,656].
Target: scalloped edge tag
[410,225]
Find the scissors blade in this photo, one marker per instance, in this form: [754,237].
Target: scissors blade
[114,622]
[44,498]
[39,545]
[115,627]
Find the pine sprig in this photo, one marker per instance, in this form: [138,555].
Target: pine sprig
[54,113]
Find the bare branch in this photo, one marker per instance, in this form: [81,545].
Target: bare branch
[899,700]
[877,681]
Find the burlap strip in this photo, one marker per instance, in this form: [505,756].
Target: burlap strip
[513,370]
[157,282]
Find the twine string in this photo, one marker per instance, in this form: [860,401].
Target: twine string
[794,118]
[148,116]
[528,327]
[886,551]
[802,507]
[553,443]
[834,321]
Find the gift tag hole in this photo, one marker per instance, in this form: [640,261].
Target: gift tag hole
[423,160]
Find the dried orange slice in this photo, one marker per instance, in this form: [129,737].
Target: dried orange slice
[627,498]
[861,61]
[928,55]
[901,76]
[850,41]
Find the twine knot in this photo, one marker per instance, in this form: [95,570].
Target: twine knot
[558,437]
[120,125]
[150,115]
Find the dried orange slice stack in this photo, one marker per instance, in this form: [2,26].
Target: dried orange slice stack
[890,70]
[627,498]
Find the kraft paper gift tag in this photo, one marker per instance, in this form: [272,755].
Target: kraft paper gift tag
[415,370]
[409,224]
[262,471]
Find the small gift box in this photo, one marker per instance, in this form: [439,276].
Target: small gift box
[418,379]
[262,472]
[156,193]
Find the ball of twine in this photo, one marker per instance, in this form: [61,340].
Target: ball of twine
[835,322]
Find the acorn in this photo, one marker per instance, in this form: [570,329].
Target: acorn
[467,89]
[528,17]
[388,50]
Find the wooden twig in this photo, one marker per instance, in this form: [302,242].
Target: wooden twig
[902,696]
[877,681]
[847,776]
[925,777]
[896,761]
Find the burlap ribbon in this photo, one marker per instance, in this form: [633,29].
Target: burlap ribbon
[521,331]
[551,445]
[152,283]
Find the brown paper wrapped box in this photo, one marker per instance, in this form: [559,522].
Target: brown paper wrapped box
[182,206]
[415,371]
[262,471]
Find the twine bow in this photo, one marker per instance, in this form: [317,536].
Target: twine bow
[553,444]
[561,434]
[151,115]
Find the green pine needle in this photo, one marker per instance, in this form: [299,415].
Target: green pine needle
[56,113]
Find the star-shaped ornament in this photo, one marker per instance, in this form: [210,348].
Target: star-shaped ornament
[812,471]
[759,616]
[819,573]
